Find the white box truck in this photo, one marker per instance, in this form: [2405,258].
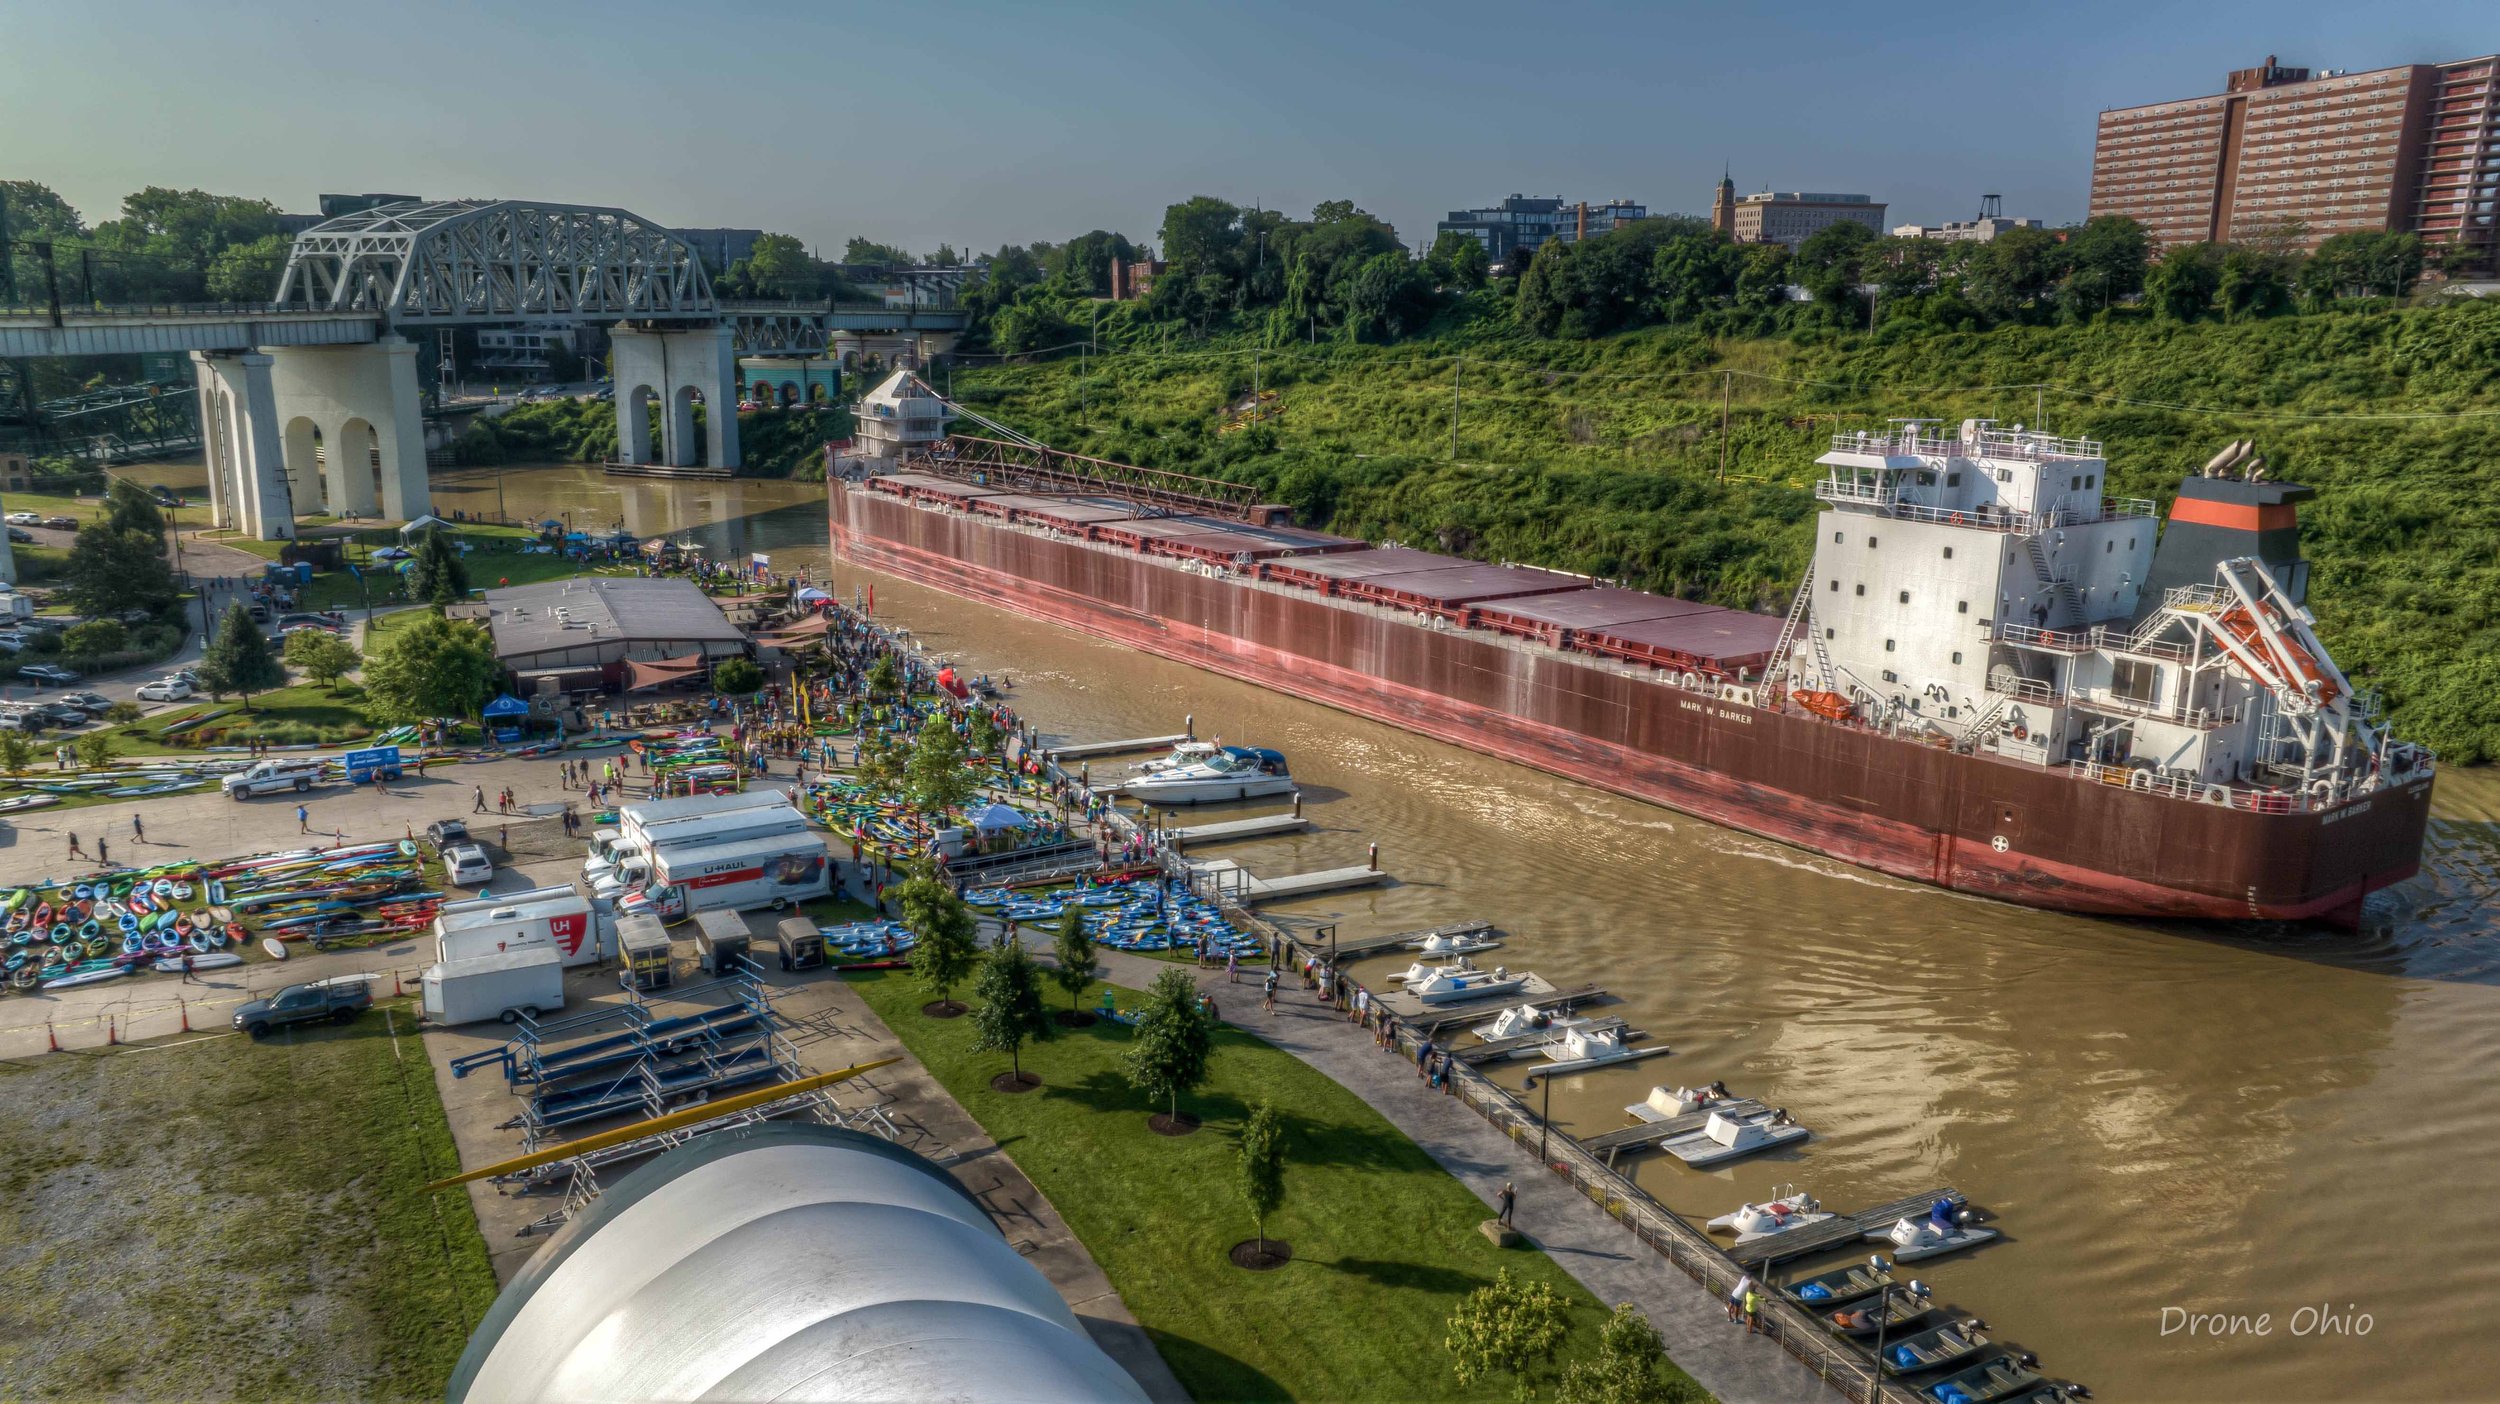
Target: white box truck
[630,860]
[765,872]
[560,917]
[501,985]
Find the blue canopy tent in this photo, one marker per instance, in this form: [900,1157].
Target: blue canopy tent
[506,709]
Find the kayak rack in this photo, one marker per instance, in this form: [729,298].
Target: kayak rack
[1833,1232]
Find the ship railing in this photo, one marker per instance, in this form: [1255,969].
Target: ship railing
[1986,518]
[2048,640]
[2197,599]
[2102,699]
[2031,690]
[1989,441]
[1867,494]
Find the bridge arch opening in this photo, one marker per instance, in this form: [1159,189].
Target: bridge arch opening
[688,449]
[789,393]
[356,470]
[302,447]
[636,447]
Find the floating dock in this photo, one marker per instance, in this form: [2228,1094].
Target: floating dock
[1232,829]
[1647,1134]
[1833,1233]
[1538,992]
[1229,879]
[1374,945]
[1087,750]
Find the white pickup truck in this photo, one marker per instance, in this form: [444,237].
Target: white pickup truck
[271,775]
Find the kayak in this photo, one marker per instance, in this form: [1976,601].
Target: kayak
[215,960]
[275,947]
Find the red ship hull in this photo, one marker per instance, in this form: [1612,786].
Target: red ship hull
[1973,824]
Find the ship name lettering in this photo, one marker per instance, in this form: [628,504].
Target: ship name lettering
[2346,812]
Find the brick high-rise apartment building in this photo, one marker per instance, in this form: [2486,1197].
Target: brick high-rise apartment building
[2415,147]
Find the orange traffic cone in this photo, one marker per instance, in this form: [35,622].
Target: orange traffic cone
[186,1014]
[49,1034]
[112,1032]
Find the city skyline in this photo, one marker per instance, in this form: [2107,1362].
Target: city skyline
[1285,108]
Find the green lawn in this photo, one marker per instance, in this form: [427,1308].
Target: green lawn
[1384,1241]
[303,705]
[217,1218]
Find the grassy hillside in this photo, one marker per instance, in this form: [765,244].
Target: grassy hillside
[1603,456]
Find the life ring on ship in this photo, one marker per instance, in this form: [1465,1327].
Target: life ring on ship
[1957,519]
[2021,732]
[2140,781]
[2215,794]
[1691,681]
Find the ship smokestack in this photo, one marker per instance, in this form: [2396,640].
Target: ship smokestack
[2217,519]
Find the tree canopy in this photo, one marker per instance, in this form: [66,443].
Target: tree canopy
[437,574]
[1073,948]
[432,668]
[945,951]
[1007,1013]
[1168,1054]
[238,658]
[936,780]
[1511,1327]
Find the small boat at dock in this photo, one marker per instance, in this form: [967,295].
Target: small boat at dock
[1581,1047]
[1995,1379]
[1666,1104]
[1787,1208]
[1936,1348]
[1424,969]
[1733,1136]
[1525,1019]
[1885,1314]
[1946,1229]
[1840,1286]
[1448,945]
[1232,773]
[1452,984]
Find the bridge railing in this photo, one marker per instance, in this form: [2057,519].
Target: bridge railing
[137,310]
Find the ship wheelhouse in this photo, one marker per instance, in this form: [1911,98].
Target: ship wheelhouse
[1980,590]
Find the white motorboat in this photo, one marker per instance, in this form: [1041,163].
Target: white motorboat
[1447,946]
[1232,773]
[1423,968]
[1946,1229]
[1186,753]
[1734,1135]
[1787,1208]
[1592,1046]
[1667,1103]
[1450,984]
[1527,1019]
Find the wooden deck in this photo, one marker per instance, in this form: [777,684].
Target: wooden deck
[1374,945]
[1540,992]
[1231,829]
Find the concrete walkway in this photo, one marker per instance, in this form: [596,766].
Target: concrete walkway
[1593,1248]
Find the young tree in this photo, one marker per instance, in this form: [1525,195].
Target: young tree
[95,750]
[1626,1368]
[881,762]
[122,713]
[2182,285]
[1169,1054]
[114,568]
[16,752]
[946,950]
[986,736]
[935,780]
[321,656]
[238,658]
[1510,1328]
[1263,1166]
[885,677]
[433,668]
[1074,948]
[94,639]
[737,677]
[1009,1014]
[437,574]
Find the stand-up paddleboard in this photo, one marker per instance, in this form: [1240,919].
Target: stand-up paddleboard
[172,965]
[275,947]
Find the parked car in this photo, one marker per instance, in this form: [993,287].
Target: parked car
[21,536]
[61,523]
[19,719]
[269,776]
[443,833]
[24,519]
[11,640]
[339,1000]
[47,675]
[60,714]
[95,702]
[467,865]
[164,690]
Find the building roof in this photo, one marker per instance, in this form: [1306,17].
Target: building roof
[787,1262]
[598,610]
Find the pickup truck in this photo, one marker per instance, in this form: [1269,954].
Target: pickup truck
[271,775]
[336,1000]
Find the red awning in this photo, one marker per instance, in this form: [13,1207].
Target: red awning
[641,676]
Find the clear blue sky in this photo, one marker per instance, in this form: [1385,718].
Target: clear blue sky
[981,123]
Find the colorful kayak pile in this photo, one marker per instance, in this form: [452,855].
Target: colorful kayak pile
[691,762]
[1125,915]
[329,896]
[869,940]
[64,934]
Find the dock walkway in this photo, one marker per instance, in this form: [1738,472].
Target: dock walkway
[1493,1050]
[1225,878]
[1648,1134]
[1374,945]
[1087,750]
[1228,830]
[1437,1019]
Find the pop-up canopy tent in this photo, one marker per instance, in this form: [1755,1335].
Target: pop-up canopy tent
[428,522]
[994,817]
[506,705]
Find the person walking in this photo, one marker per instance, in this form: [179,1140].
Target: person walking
[303,820]
[480,807]
[1232,967]
[1508,1199]
[103,849]
[73,847]
[187,977]
[1267,998]
[138,829]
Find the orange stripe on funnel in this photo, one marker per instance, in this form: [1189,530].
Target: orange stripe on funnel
[2238,516]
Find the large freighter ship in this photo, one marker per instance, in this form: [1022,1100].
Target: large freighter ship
[1994,681]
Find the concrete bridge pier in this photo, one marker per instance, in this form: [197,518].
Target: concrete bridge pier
[247,480]
[667,368]
[359,404]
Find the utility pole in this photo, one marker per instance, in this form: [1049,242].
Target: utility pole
[1726,381]
[1458,365]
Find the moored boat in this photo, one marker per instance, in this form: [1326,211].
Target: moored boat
[1787,1208]
[1734,1135]
[1232,773]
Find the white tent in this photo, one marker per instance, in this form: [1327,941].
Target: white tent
[424,523]
[997,817]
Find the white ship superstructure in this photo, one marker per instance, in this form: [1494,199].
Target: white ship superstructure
[1982,591]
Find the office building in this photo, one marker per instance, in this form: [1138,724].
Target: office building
[1792,216]
[719,248]
[1522,222]
[2411,148]
[1983,228]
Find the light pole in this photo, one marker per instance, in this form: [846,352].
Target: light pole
[1545,1115]
[1916,1291]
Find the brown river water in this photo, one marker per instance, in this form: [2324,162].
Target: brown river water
[2296,1124]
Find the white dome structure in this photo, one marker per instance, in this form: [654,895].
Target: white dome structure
[784,1262]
